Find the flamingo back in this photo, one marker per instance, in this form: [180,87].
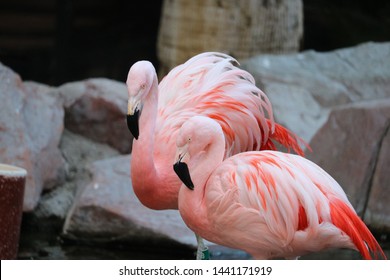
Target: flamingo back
[211,84]
[285,204]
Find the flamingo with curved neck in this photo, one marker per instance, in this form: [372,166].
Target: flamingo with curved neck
[267,203]
[151,184]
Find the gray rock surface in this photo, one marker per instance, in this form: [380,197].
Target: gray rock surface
[31,124]
[107,208]
[304,87]
[97,108]
[77,152]
[378,206]
[352,147]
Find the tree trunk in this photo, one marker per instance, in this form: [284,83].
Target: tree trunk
[240,28]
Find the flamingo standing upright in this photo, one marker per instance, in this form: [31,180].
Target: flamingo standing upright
[209,84]
[267,203]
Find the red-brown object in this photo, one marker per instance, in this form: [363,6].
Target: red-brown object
[12,183]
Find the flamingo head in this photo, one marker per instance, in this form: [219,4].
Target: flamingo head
[182,157]
[139,83]
[194,140]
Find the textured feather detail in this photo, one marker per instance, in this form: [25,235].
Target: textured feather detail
[287,138]
[300,206]
[346,219]
[302,218]
[211,84]
[267,203]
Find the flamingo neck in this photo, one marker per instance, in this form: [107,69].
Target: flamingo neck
[143,170]
[192,203]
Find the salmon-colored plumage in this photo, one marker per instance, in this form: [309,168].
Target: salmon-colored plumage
[302,218]
[267,203]
[346,219]
[209,84]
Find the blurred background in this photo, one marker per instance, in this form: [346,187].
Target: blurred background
[57,41]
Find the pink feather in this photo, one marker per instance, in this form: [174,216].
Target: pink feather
[209,84]
[267,203]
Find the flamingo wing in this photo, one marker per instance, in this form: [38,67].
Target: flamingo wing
[211,84]
[287,203]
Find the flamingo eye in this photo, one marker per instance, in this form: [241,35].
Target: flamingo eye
[143,86]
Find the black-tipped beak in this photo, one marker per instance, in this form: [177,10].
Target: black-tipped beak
[181,169]
[132,123]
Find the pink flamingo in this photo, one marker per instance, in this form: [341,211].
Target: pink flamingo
[208,84]
[267,203]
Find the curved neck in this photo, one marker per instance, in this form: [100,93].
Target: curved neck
[193,201]
[147,120]
[144,172]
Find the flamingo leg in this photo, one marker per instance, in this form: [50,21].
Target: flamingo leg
[202,252]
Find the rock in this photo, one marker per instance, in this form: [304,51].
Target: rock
[107,208]
[97,108]
[31,124]
[77,151]
[377,213]
[353,146]
[44,118]
[304,87]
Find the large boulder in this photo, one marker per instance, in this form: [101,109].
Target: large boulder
[31,124]
[377,212]
[77,152]
[304,87]
[44,118]
[96,108]
[353,147]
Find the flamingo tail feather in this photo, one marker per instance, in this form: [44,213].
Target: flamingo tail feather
[286,138]
[346,219]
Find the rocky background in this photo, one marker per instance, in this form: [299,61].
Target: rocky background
[73,140]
